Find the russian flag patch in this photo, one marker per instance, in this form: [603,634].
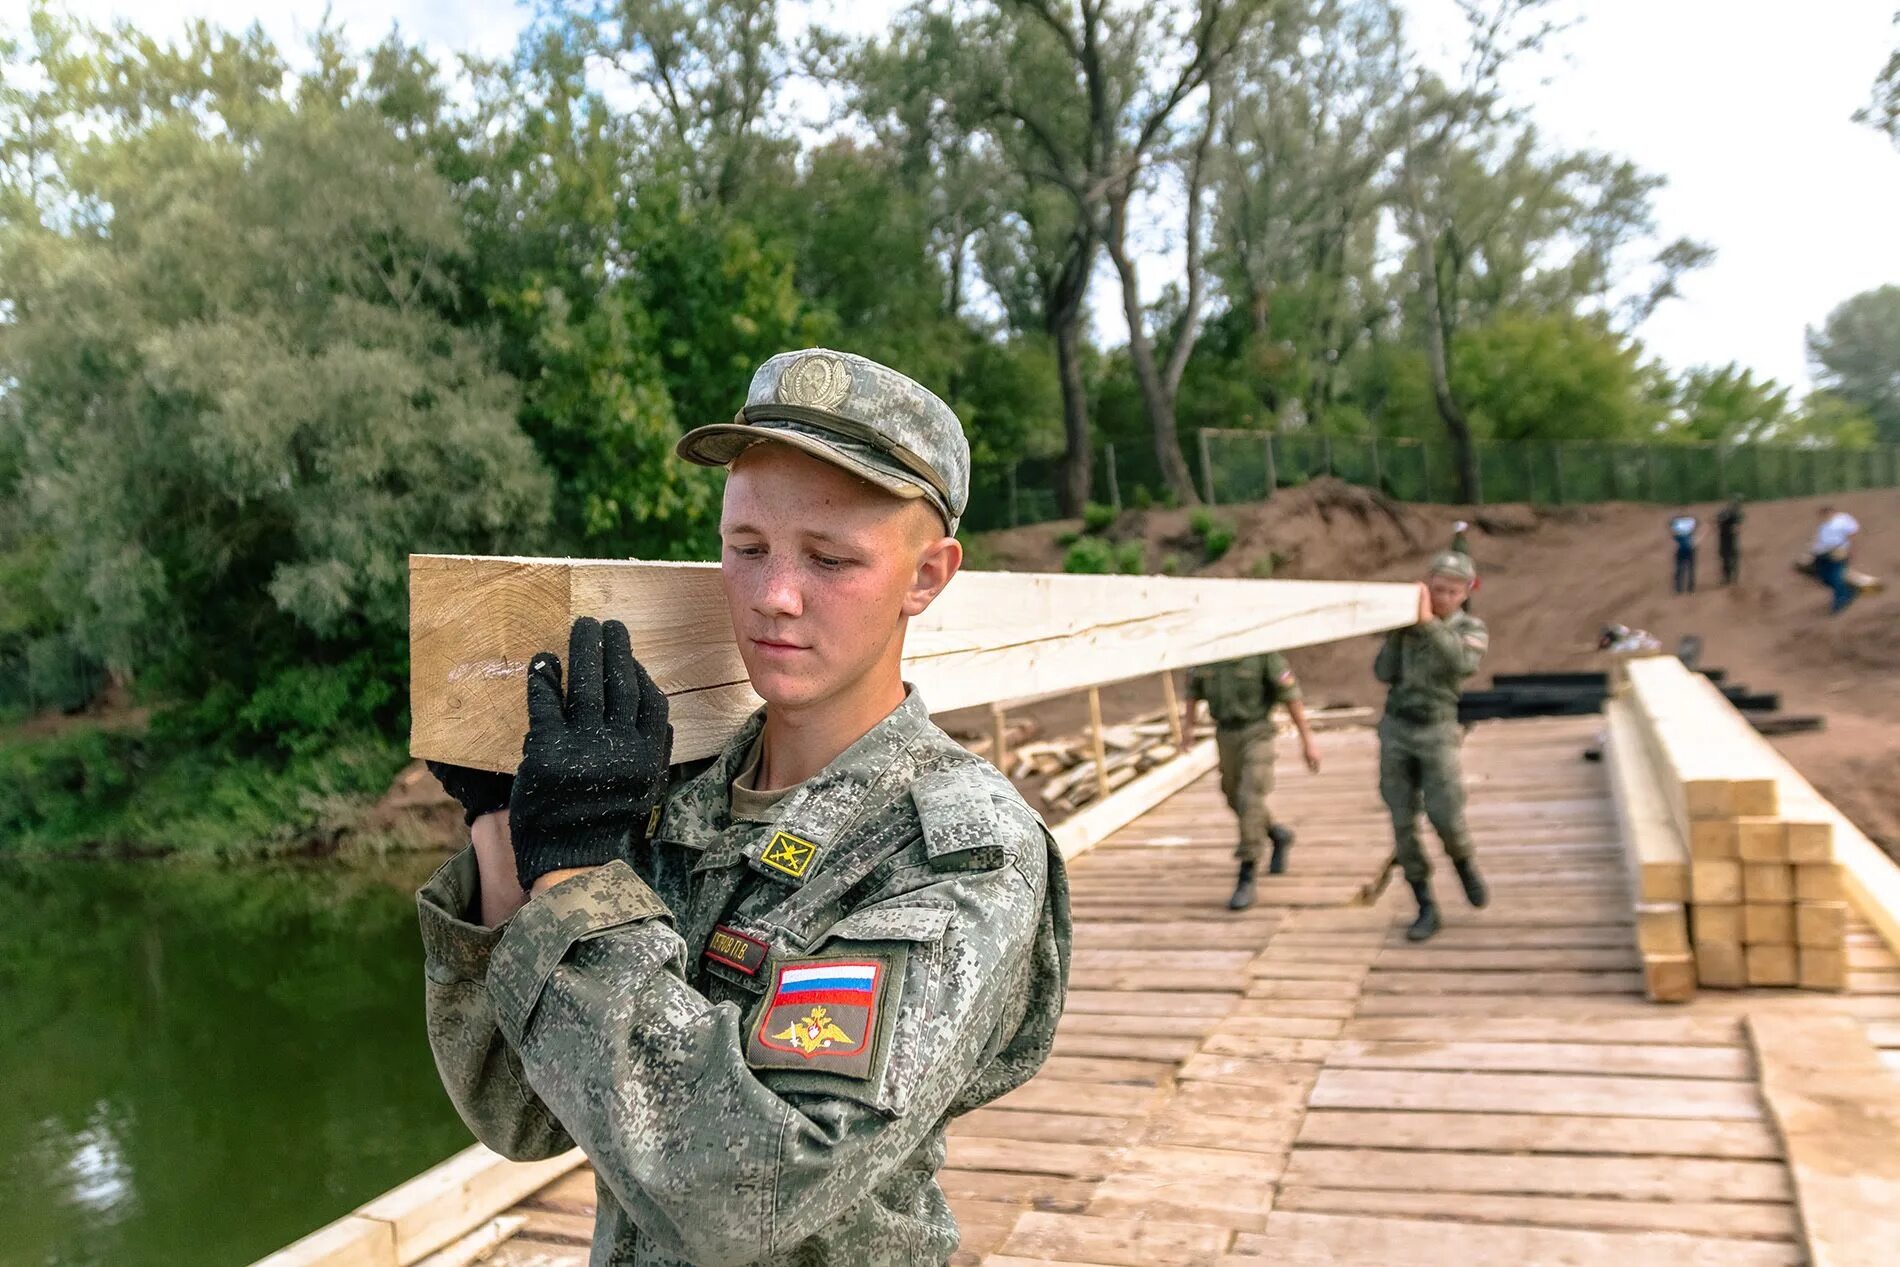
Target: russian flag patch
[820,1014]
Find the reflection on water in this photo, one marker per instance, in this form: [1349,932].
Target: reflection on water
[200,1064]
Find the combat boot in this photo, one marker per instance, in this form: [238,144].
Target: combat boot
[1282,839]
[1243,889]
[1427,922]
[1475,892]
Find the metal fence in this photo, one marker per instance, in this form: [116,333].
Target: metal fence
[1242,466]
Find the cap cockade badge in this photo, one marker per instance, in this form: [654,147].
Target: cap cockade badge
[815,382]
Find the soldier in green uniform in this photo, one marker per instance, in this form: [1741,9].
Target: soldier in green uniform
[1240,695]
[1419,738]
[755,990]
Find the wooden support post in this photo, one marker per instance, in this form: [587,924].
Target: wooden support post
[1114,481]
[999,722]
[1095,741]
[1207,467]
[1273,474]
[1174,710]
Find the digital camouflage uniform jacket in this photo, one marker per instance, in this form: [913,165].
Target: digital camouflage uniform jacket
[758,1031]
[1240,693]
[1426,665]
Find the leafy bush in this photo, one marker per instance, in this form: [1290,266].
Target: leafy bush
[1066,539]
[1201,523]
[1090,555]
[1218,542]
[88,788]
[1171,565]
[1131,558]
[1097,518]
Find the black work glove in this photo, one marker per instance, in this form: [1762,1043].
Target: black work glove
[478,792]
[593,767]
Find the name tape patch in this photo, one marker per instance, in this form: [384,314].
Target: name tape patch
[736,950]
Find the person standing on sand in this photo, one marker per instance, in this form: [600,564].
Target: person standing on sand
[755,998]
[1687,534]
[1728,529]
[1419,738]
[1240,696]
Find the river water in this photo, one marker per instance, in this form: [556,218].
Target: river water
[199,1064]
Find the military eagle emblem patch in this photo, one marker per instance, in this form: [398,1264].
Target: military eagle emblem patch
[822,1015]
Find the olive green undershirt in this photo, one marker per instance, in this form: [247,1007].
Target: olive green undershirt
[753,806]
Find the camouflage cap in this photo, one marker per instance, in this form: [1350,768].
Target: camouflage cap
[1455,563]
[854,413]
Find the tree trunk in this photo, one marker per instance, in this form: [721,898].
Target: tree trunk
[1438,359]
[1157,401]
[1075,475]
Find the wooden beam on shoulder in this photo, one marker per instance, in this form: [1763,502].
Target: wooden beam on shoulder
[475,622]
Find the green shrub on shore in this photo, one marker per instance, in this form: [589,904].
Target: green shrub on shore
[92,790]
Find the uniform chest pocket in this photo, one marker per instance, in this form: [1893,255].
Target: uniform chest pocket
[839,1019]
[916,924]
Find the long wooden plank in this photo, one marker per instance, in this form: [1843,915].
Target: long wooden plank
[1309,1240]
[1710,761]
[1838,1111]
[475,623]
[1541,1057]
[425,1214]
[1637,1178]
[1081,831]
[1756,1221]
[1539,1133]
[442,1203]
[1657,852]
[1588,1095]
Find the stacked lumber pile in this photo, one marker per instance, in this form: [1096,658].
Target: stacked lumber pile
[1658,859]
[1765,901]
[1068,766]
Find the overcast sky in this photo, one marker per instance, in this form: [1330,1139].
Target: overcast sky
[1744,105]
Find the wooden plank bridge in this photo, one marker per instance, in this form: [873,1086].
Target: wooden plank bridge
[1298,1084]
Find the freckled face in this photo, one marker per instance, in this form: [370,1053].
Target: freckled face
[820,571]
[1448,593]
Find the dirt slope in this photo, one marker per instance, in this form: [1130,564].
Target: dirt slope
[1553,578]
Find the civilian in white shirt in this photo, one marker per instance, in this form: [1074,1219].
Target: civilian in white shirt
[1833,547]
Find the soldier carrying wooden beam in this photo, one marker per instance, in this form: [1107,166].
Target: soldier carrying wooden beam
[1419,736]
[756,997]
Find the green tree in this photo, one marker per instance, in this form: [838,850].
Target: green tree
[234,405]
[1882,111]
[1729,405]
[1856,355]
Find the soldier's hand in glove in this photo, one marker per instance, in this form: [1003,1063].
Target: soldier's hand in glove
[478,792]
[593,767]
